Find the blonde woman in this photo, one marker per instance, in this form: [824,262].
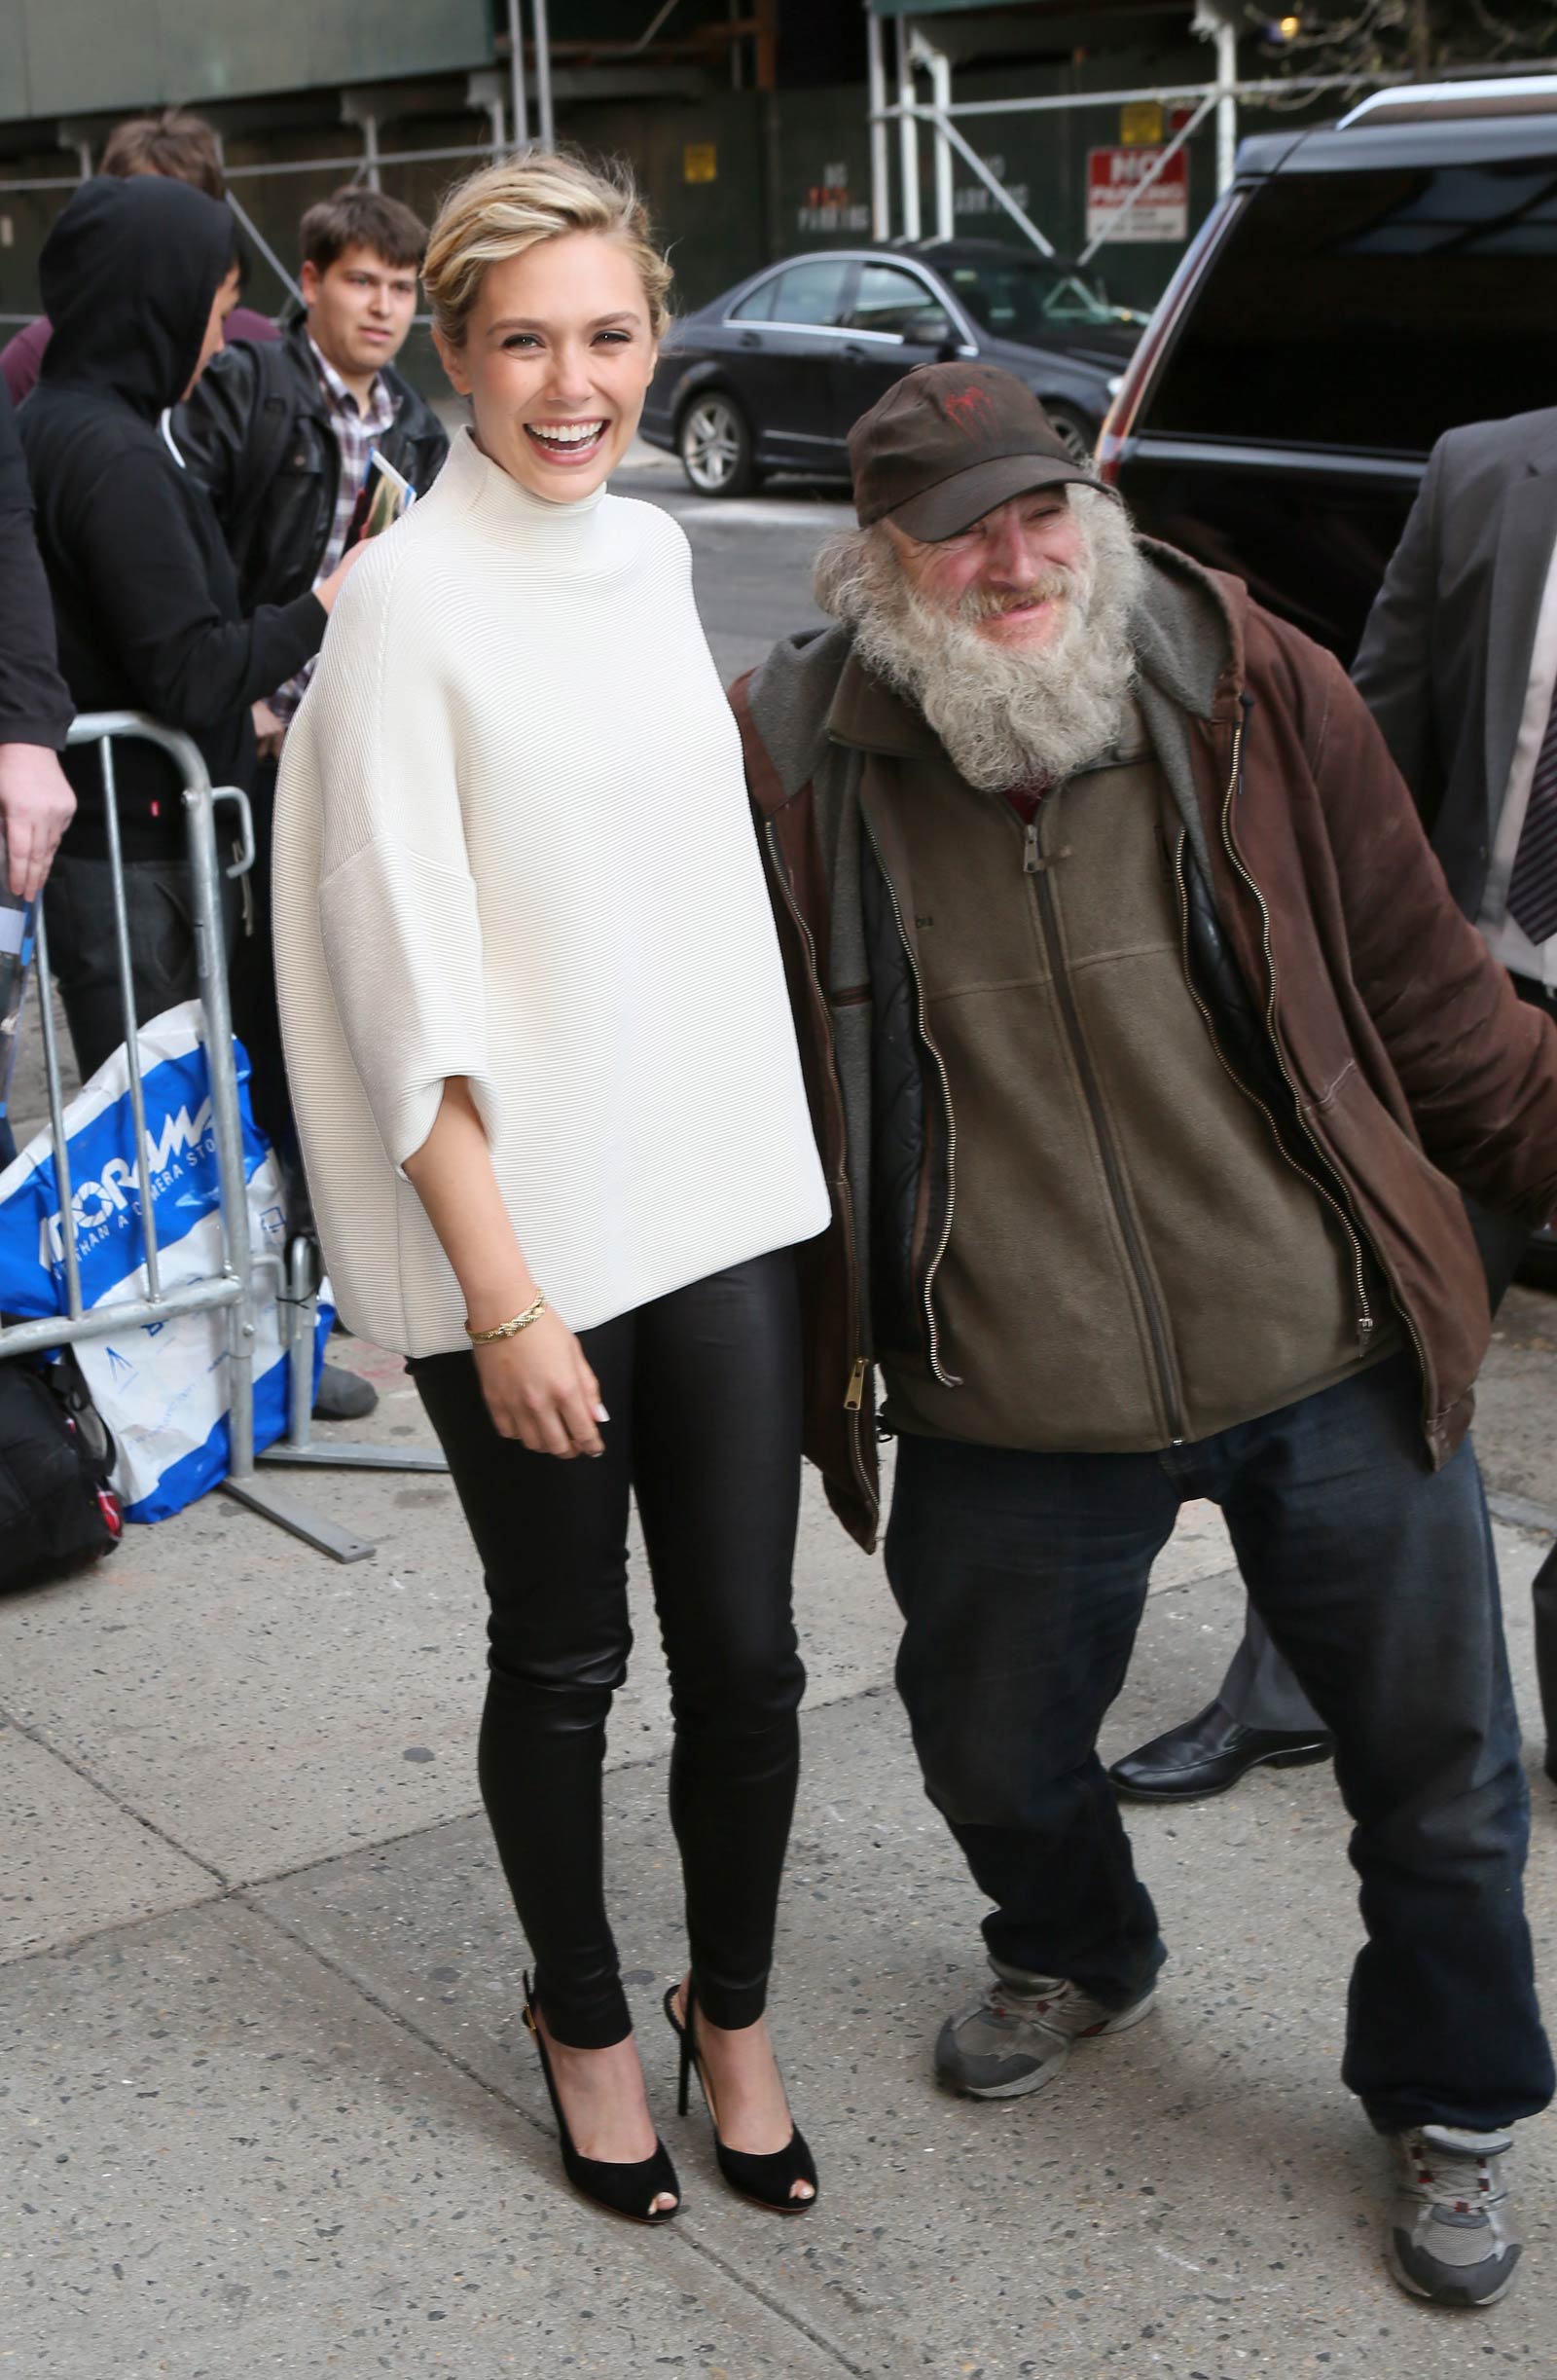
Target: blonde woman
[557,1136]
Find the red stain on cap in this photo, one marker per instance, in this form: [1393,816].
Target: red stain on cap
[972,411]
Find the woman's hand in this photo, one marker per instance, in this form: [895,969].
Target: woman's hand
[537,1386]
[540,1390]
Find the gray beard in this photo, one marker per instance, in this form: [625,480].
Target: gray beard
[1006,715]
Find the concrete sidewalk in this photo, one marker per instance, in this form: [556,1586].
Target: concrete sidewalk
[269,2107]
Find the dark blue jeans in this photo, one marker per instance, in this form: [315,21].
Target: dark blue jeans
[1022,1578]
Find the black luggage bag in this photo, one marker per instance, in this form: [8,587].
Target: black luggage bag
[57,1512]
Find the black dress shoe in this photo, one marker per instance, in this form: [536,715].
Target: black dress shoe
[1210,1753]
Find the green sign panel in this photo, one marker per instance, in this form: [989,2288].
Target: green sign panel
[105,57]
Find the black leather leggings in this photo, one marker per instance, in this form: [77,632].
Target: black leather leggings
[702,1388]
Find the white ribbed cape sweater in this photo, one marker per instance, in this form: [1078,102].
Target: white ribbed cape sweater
[513,843]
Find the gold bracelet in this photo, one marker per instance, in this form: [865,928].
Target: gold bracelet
[507,1330]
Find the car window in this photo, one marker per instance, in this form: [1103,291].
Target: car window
[757,304]
[1021,297]
[809,293]
[888,299]
[1372,310]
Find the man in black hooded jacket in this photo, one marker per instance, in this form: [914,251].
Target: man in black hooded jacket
[136,277]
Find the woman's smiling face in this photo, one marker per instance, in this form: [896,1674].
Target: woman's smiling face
[557,359]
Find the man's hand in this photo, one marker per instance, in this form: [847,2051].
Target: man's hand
[268,731]
[329,588]
[540,1390]
[36,806]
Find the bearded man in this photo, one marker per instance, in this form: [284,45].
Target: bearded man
[1148,1053]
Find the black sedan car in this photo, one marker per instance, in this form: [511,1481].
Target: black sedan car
[770,376]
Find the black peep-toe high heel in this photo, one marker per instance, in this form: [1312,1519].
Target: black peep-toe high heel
[627,2190]
[765,2180]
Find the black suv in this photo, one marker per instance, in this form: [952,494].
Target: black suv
[770,376]
[1358,290]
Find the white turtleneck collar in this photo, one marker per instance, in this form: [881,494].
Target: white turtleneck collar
[473,473]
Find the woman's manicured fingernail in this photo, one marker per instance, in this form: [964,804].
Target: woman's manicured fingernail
[601,1413]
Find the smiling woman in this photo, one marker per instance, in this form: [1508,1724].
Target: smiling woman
[556,1133]
[549,304]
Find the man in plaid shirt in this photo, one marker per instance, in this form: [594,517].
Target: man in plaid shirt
[358,426]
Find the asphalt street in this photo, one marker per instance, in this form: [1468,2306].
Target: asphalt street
[265,2104]
[751,554]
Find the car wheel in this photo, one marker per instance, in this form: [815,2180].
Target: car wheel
[1078,438]
[715,444]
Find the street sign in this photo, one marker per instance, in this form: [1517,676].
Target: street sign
[1162,210]
[1140,123]
[700,161]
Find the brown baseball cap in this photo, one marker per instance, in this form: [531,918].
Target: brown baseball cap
[949,442]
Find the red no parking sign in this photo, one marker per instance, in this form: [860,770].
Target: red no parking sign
[1162,210]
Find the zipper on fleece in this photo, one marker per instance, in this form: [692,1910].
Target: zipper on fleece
[946,1378]
[1036,866]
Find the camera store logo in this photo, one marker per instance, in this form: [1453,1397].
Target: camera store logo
[106,1205]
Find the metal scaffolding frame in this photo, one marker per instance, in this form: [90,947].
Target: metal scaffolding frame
[367,167]
[914,54]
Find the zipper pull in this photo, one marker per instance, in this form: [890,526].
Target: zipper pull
[854,1393]
[1033,863]
[1364,1332]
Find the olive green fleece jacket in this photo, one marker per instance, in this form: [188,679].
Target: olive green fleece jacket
[1132,1259]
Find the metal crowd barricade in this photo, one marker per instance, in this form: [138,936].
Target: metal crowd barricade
[231,1290]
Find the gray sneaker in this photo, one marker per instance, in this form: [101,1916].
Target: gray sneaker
[1450,2231]
[1021,2034]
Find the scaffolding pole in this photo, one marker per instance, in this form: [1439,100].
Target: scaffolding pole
[993,184]
[907,132]
[939,68]
[881,187]
[543,76]
[516,77]
[1214,22]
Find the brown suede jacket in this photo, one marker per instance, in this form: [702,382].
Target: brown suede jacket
[1412,1069]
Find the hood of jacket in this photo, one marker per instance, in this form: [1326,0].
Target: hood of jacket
[127,276]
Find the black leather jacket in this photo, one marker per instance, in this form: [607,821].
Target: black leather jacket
[257,432]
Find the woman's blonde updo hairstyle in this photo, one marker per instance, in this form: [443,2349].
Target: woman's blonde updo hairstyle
[509,206]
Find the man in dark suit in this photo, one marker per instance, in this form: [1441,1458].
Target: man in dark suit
[1458,664]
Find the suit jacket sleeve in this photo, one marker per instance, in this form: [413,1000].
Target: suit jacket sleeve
[1393,667]
[35,706]
[1477,1065]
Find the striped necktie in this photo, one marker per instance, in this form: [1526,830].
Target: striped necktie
[1532,886]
